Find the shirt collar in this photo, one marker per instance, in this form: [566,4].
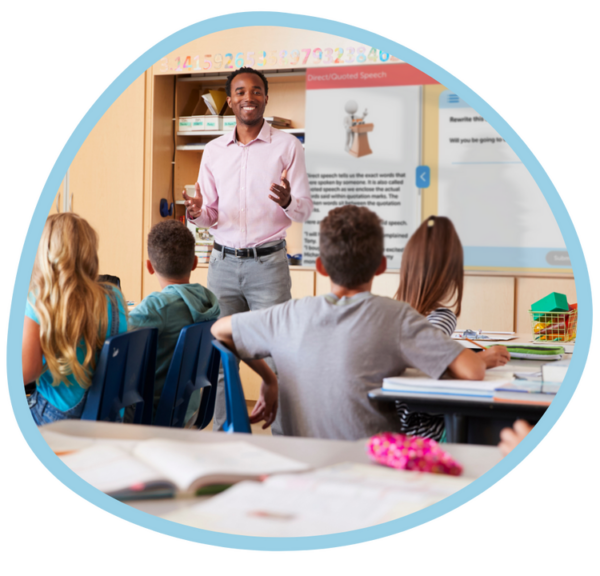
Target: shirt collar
[264,134]
[345,300]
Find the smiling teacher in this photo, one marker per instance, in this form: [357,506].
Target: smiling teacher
[237,195]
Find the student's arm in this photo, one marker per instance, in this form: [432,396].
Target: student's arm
[32,357]
[266,406]
[468,365]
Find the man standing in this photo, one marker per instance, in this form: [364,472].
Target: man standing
[249,213]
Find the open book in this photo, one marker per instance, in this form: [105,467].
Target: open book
[160,468]
[335,499]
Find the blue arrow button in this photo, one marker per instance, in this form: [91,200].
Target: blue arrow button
[423,174]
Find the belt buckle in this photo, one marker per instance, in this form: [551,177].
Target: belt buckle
[236,252]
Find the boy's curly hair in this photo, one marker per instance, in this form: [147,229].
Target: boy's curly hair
[351,245]
[171,249]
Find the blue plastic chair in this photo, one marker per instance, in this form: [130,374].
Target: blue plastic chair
[235,401]
[194,366]
[124,377]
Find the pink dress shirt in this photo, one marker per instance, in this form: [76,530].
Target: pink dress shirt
[235,182]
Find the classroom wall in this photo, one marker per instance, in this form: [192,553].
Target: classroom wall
[106,187]
[124,169]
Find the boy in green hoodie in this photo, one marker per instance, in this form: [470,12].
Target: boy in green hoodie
[171,252]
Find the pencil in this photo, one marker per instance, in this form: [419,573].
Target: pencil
[473,342]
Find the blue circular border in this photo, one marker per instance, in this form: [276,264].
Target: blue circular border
[15,333]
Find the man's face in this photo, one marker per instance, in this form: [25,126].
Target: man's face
[248,99]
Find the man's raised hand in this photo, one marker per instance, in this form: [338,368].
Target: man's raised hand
[193,205]
[282,194]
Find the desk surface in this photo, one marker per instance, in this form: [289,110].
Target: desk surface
[525,339]
[449,403]
[476,460]
[474,419]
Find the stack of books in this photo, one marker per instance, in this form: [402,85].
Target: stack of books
[204,245]
[553,375]
[278,122]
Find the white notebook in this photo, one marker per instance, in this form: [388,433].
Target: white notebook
[424,384]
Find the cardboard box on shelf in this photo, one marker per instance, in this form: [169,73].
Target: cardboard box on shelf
[185,124]
[229,122]
[213,122]
[197,123]
[218,115]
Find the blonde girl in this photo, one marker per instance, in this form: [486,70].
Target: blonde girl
[67,318]
[431,281]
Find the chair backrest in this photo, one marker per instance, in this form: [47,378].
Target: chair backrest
[108,278]
[235,402]
[194,366]
[124,377]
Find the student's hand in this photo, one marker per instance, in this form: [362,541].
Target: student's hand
[193,205]
[510,437]
[282,194]
[495,356]
[266,407]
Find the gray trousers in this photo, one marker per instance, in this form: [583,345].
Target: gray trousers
[243,284]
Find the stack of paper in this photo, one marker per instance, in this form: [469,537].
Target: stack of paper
[216,101]
[553,374]
[421,384]
[331,500]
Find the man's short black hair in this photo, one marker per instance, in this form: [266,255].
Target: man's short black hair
[171,249]
[245,70]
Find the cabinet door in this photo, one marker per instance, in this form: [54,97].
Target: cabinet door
[57,205]
[488,303]
[107,184]
[303,282]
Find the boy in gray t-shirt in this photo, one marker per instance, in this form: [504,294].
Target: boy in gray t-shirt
[330,351]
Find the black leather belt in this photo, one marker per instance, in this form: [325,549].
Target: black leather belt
[249,252]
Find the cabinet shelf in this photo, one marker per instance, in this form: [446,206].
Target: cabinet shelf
[192,147]
[195,147]
[221,132]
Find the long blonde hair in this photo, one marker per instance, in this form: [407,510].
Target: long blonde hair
[70,303]
[432,268]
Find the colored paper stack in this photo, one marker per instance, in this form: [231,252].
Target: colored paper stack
[278,122]
[204,245]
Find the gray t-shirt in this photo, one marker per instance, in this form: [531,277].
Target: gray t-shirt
[330,353]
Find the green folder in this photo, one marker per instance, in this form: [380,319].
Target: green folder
[535,352]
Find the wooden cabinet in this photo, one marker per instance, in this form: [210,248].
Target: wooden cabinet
[107,187]
[57,205]
[488,303]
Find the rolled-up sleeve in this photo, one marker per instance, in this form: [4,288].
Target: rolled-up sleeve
[301,205]
[252,333]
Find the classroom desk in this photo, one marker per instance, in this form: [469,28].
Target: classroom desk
[469,419]
[525,339]
[476,460]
